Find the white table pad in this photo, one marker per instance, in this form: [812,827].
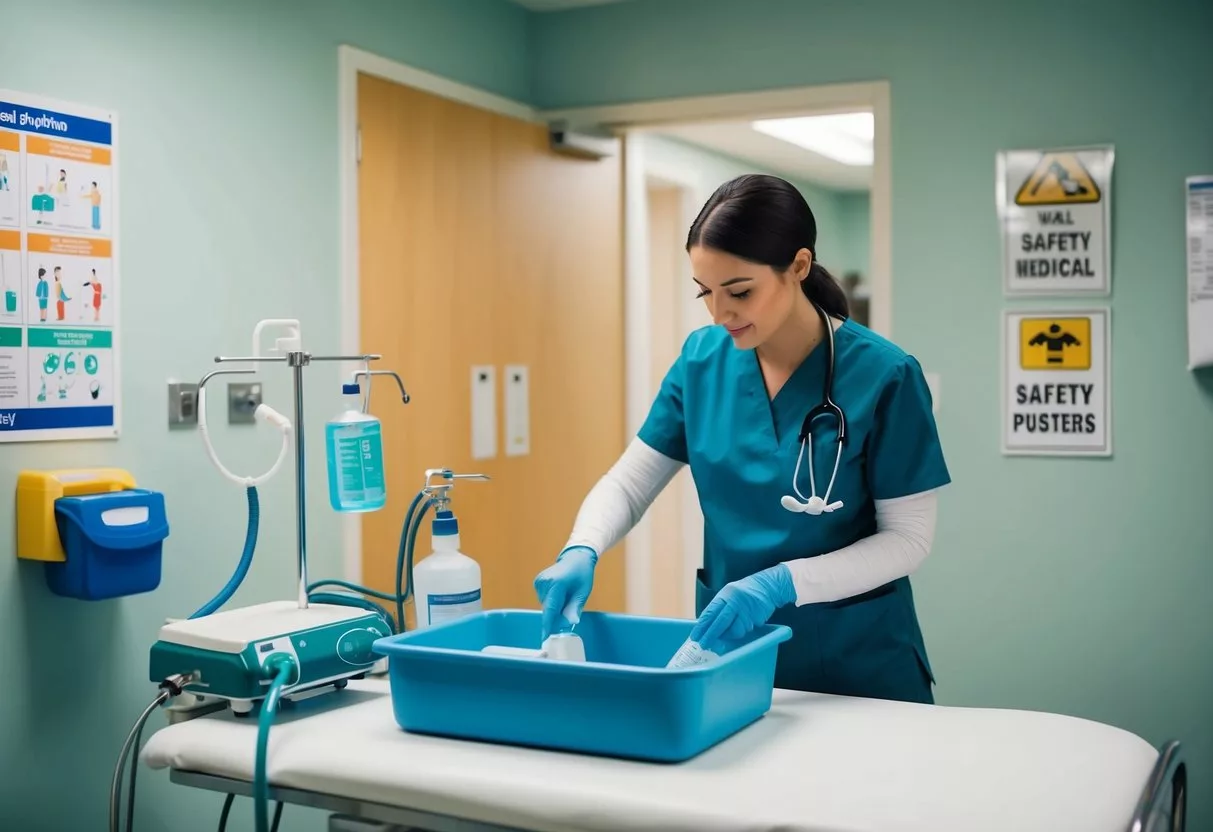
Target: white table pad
[814,763]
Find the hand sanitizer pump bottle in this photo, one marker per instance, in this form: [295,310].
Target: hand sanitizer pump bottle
[446,584]
[354,449]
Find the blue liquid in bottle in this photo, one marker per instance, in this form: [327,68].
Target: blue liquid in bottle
[354,451]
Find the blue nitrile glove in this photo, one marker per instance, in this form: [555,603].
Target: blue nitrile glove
[564,587]
[743,605]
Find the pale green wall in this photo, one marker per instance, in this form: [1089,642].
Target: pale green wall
[228,190]
[855,224]
[1076,586]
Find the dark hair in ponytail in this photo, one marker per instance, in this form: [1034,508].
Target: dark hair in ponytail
[764,219]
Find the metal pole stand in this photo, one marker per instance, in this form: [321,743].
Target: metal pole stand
[297,360]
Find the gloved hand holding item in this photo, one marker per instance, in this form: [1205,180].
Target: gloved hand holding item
[743,605]
[564,587]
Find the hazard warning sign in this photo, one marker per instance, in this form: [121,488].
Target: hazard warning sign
[1055,375]
[1055,211]
[1058,179]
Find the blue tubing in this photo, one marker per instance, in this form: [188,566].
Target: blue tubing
[261,786]
[404,555]
[348,600]
[361,590]
[404,573]
[246,558]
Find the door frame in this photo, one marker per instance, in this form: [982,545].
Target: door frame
[621,119]
[689,514]
[639,385]
[351,62]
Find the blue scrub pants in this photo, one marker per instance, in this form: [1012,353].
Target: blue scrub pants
[869,645]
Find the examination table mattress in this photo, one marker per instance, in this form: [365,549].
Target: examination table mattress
[815,763]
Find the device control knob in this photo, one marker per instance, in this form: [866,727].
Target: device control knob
[354,647]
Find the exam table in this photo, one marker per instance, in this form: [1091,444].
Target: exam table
[814,763]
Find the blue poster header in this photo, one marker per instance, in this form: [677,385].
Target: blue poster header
[49,123]
[51,418]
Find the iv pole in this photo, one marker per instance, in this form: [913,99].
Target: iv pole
[297,360]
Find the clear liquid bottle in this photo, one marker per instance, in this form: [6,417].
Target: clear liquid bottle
[446,584]
[354,450]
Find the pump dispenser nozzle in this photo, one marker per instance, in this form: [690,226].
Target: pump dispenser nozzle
[440,493]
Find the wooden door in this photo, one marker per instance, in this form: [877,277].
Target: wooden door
[480,245]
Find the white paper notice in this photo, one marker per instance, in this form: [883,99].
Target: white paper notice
[1199,193]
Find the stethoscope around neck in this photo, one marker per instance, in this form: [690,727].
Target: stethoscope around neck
[813,504]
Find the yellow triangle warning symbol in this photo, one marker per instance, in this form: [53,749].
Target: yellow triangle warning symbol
[1058,179]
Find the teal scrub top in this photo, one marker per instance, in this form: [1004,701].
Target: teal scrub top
[713,413]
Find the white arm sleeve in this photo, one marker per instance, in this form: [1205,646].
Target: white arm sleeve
[905,530]
[618,500]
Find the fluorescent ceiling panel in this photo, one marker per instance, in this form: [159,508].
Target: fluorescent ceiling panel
[845,137]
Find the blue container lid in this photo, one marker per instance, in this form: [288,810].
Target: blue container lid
[90,513]
[445,524]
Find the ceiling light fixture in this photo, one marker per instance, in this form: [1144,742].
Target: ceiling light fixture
[844,137]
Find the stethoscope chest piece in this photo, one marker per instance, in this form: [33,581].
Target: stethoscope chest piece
[814,505]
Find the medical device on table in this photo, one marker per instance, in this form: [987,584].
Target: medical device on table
[264,652]
[231,651]
[827,407]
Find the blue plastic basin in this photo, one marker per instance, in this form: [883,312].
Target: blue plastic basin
[621,702]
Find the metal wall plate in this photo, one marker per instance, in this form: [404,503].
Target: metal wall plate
[182,405]
[242,401]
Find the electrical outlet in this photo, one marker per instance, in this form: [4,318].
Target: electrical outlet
[182,405]
[242,401]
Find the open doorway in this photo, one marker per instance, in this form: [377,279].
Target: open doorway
[832,143]
[827,157]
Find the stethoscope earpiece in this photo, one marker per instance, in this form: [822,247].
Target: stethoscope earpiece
[813,504]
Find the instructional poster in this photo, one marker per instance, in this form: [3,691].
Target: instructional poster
[58,271]
[1199,201]
[1056,376]
[1055,208]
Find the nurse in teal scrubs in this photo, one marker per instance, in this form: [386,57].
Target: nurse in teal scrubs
[799,528]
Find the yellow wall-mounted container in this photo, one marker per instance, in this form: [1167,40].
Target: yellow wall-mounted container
[37,491]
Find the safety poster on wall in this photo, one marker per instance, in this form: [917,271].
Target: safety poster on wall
[58,270]
[1056,377]
[1055,209]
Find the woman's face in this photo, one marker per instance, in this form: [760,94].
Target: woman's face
[752,301]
